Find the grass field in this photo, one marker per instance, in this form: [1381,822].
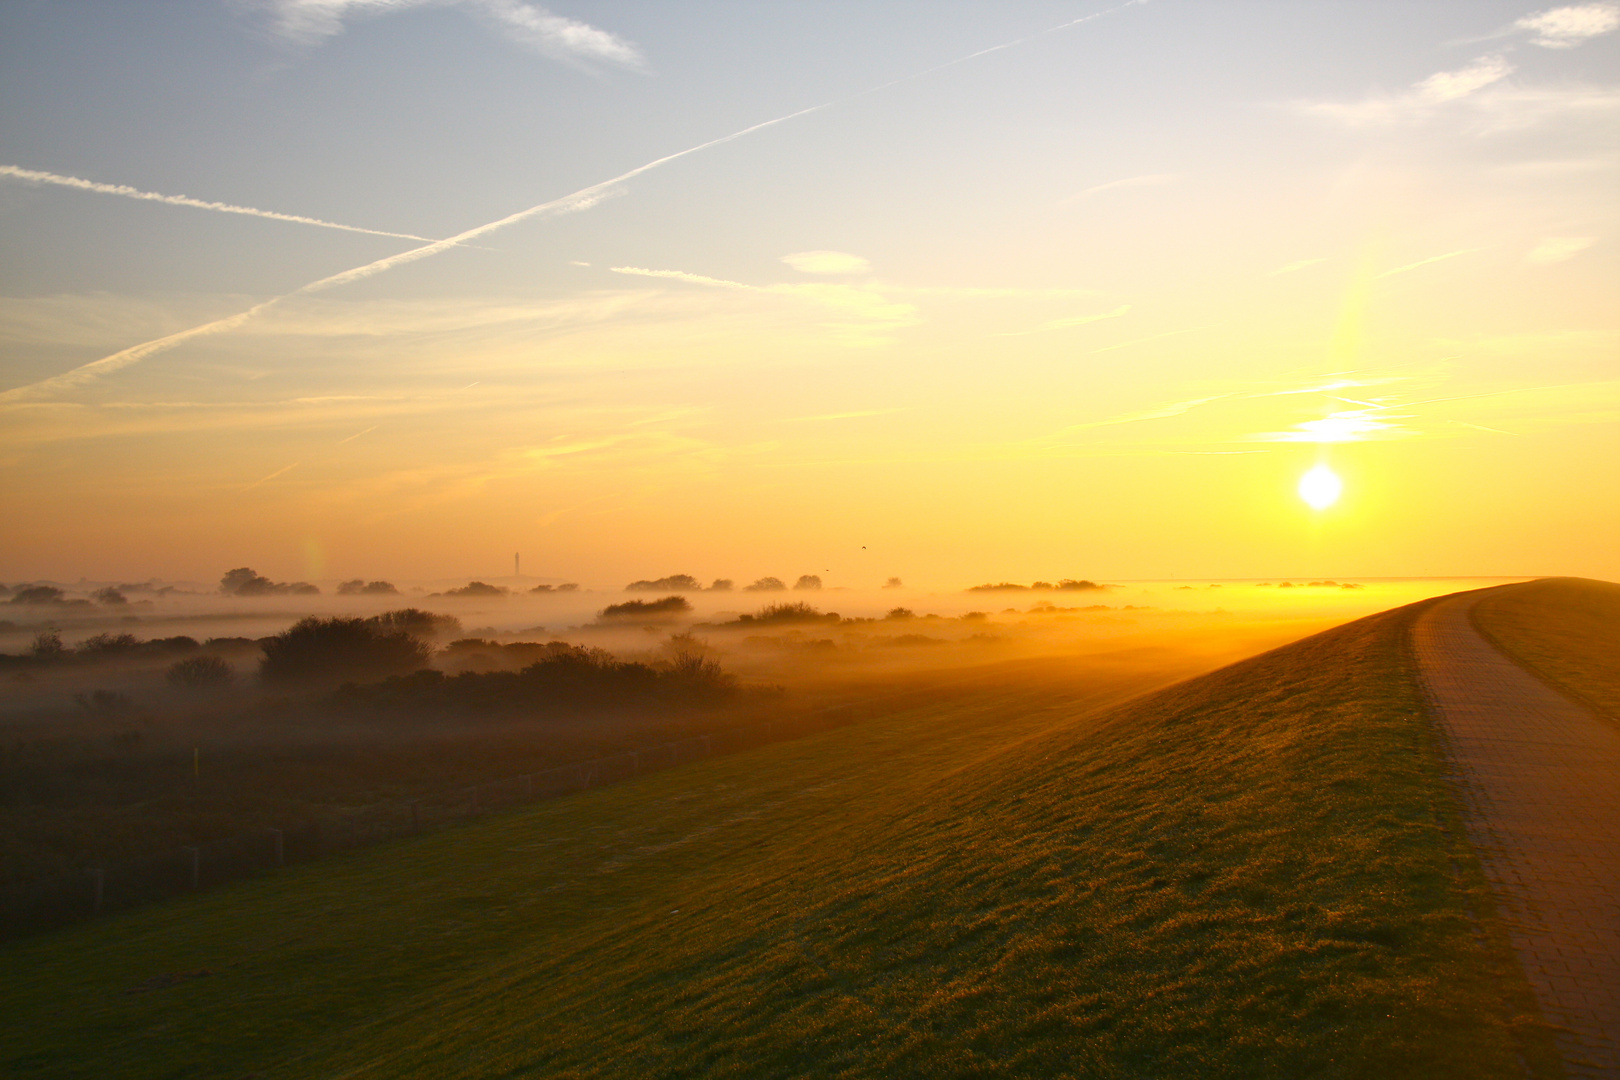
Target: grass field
[1567,630]
[1259,872]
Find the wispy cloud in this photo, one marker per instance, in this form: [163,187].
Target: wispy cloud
[827,262]
[1426,262]
[871,314]
[530,25]
[1556,249]
[1567,27]
[1072,320]
[35,176]
[1149,180]
[1420,100]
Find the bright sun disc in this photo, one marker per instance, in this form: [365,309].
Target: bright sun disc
[1320,488]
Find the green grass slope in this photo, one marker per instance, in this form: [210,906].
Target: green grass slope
[1567,630]
[1255,873]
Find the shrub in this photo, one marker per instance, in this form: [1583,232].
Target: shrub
[766,584]
[38,594]
[47,646]
[361,587]
[335,650]
[667,607]
[200,673]
[109,596]
[422,625]
[894,583]
[475,589]
[900,613]
[788,613]
[808,581]
[721,584]
[673,583]
[244,581]
[103,645]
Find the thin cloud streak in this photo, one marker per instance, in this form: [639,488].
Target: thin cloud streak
[35,176]
[1426,262]
[582,199]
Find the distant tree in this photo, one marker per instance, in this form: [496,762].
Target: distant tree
[38,594]
[665,608]
[788,613]
[808,581]
[200,673]
[900,613]
[766,584]
[47,646]
[109,596]
[894,583]
[673,583]
[380,588]
[351,588]
[476,589]
[541,589]
[1071,585]
[245,582]
[337,650]
[569,587]
[103,645]
[421,625]
[721,584]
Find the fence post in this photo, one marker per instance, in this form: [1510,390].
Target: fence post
[196,865]
[278,847]
[416,817]
[98,884]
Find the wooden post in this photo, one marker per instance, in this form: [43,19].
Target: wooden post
[278,847]
[98,884]
[416,817]
[196,866]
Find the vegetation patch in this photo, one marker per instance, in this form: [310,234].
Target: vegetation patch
[1567,630]
[1258,872]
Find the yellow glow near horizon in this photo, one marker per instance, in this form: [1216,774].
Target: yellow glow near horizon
[1320,487]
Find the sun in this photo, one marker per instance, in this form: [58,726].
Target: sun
[1320,487]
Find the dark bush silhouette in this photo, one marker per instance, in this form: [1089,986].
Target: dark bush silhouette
[808,581]
[569,679]
[38,594]
[319,650]
[786,613]
[766,584]
[246,582]
[422,625]
[894,583]
[900,613]
[47,646]
[475,589]
[673,583]
[668,607]
[108,645]
[109,596]
[361,587]
[200,673]
[721,584]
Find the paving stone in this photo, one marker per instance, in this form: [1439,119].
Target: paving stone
[1540,778]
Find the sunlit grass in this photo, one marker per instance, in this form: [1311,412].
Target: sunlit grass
[1259,872]
[1567,630]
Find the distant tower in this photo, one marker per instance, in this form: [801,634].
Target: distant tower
[515,571]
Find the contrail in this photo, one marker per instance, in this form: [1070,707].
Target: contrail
[582,199]
[37,177]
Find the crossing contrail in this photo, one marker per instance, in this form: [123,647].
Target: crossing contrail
[36,177]
[582,199]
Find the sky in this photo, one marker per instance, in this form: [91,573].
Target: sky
[941,290]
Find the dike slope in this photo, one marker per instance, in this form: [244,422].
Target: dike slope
[1260,872]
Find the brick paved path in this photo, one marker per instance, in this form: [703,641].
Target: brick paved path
[1542,784]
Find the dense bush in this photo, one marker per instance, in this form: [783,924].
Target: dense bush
[787,613]
[766,584]
[316,650]
[422,625]
[200,673]
[668,606]
[673,583]
[569,679]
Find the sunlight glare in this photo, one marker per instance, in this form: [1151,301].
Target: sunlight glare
[1320,487]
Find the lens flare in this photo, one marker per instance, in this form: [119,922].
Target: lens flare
[1320,488]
